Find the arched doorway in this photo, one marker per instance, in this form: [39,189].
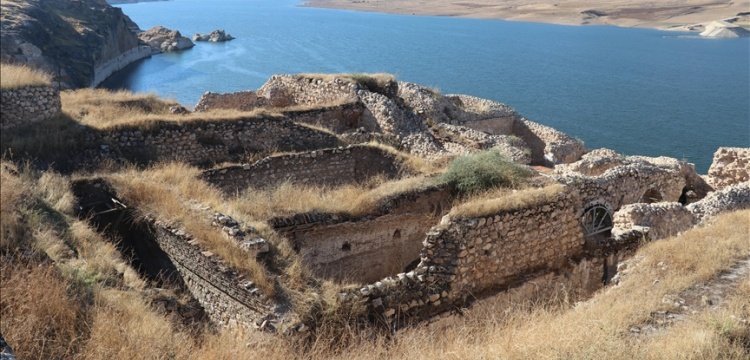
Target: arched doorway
[651,196]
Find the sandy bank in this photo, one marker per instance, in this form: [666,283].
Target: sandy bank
[626,13]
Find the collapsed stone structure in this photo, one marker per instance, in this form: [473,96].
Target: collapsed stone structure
[410,117]
[415,266]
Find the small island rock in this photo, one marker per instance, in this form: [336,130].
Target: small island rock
[165,40]
[213,36]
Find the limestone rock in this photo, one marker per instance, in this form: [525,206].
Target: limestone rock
[730,166]
[213,36]
[723,29]
[73,40]
[165,40]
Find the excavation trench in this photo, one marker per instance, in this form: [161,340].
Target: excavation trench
[136,241]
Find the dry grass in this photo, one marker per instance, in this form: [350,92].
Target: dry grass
[354,200]
[415,164]
[105,109]
[18,76]
[161,191]
[42,317]
[499,200]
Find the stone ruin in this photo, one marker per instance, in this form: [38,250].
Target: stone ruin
[411,256]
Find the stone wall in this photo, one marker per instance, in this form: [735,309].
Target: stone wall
[368,248]
[493,251]
[208,142]
[228,299]
[653,221]
[288,90]
[466,258]
[548,146]
[341,118]
[28,105]
[730,198]
[730,166]
[240,100]
[329,167]
[626,184]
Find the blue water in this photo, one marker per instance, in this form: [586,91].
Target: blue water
[637,91]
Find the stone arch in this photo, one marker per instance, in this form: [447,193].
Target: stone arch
[597,220]
[652,195]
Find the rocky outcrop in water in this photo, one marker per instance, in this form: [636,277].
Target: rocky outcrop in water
[165,40]
[80,42]
[213,36]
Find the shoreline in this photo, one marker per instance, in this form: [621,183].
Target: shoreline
[690,15]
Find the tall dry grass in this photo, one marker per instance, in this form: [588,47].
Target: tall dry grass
[355,200]
[14,76]
[107,109]
[165,192]
[499,200]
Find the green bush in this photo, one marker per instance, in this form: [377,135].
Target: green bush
[484,170]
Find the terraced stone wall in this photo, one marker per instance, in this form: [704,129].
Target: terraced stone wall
[28,105]
[208,142]
[348,165]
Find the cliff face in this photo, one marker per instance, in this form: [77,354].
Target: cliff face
[80,42]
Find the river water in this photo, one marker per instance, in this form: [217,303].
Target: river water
[636,91]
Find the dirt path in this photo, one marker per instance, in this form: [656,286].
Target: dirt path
[694,300]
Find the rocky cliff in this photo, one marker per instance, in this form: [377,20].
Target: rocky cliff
[80,42]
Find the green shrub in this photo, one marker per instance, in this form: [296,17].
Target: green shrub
[484,170]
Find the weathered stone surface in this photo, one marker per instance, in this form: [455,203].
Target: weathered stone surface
[165,40]
[663,219]
[730,198]
[213,36]
[328,167]
[80,43]
[730,166]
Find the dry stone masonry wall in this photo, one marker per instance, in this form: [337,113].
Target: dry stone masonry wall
[228,298]
[208,142]
[328,167]
[29,105]
[241,100]
[366,248]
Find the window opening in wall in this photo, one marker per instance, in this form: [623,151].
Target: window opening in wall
[596,220]
[683,196]
[651,196]
[346,247]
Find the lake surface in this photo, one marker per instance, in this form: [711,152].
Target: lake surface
[636,91]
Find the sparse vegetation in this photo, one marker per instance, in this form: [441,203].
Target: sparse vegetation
[17,76]
[484,170]
[499,200]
